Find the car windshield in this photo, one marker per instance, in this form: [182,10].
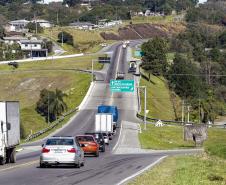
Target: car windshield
[84,138]
[60,142]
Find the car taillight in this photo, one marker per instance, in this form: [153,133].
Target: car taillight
[72,150]
[45,150]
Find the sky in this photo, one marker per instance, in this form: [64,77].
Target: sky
[202,1]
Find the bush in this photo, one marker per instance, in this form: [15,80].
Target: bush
[65,38]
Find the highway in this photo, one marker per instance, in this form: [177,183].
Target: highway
[108,168]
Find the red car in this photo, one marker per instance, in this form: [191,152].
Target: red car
[88,144]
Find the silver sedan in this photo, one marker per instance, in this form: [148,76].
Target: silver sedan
[61,150]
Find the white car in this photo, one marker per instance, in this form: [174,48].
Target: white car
[106,138]
[61,150]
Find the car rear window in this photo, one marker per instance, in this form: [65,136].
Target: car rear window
[84,138]
[60,142]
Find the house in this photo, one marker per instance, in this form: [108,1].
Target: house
[13,39]
[49,1]
[43,23]
[34,48]
[82,25]
[17,26]
[104,23]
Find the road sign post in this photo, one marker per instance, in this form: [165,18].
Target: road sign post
[145,105]
[122,86]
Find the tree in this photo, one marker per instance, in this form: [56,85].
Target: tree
[183,78]
[2,32]
[31,26]
[51,104]
[154,59]
[58,106]
[66,38]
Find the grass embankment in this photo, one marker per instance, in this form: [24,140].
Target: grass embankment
[85,41]
[25,83]
[159,101]
[184,170]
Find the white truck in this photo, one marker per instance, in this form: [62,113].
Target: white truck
[104,122]
[9,131]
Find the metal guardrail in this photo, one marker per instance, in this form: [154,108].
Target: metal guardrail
[52,125]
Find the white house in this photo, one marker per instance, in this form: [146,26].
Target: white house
[17,25]
[31,44]
[82,25]
[43,23]
[13,40]
[34,48]
[50,1]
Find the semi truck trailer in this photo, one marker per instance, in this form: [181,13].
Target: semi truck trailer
[9,131]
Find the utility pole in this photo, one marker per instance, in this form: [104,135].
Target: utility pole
[36,26]
[57,19]
[188,112]
[92,70]
[62,38]
[182,112]
[48,108]
[199,111]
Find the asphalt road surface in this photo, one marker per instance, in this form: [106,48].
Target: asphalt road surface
[108,168]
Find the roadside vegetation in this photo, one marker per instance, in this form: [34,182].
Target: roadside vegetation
[199,169]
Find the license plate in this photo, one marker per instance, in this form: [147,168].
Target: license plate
[59,150]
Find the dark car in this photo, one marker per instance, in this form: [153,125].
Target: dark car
[131,70]
[99,138]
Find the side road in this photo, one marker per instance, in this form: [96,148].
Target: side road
[129,143]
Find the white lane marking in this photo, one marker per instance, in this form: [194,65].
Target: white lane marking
[20,165]
[119,138]
[119,57]
[141,171]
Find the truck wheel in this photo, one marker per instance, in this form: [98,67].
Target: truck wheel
[12,155]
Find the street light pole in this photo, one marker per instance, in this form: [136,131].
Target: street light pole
[145,105]
[92,70]
[145,108]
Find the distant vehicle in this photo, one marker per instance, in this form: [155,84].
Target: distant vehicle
[62,150]
[99,137]
[120,76]
[9,131]
[89,144]
[103,44]
[110,109]
[124,46]
[106,138]
[132,67]
[14,64]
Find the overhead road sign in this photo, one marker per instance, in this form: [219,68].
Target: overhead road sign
[104,59]
[122,85]
[138,53]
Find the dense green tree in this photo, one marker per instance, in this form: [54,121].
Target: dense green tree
[184,77]
[31,26]
[51,104]
[154,59]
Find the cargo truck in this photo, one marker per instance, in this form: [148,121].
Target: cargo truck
[112,110]
[104,122]
[9,131]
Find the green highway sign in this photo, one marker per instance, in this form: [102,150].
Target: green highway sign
[138,53]
[122,85]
